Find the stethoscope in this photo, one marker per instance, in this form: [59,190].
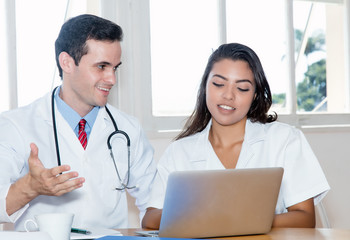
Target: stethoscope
[117,131]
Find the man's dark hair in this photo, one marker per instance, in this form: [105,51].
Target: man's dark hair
[77,30]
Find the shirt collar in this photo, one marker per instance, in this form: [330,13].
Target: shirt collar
[71,116]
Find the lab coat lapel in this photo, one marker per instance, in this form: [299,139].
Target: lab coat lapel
[254,134]
[44,109]
[65,134]
[99,129]
[200,156]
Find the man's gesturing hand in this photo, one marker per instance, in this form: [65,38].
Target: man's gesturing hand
[40,181]
[54,181]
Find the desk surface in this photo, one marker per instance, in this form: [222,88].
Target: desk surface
[283,234]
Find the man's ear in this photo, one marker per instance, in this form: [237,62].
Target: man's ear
[66,62]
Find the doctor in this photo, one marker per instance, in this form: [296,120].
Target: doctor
[231,128]
[70,168]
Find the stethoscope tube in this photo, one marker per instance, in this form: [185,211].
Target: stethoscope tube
[117,131]
[54,126]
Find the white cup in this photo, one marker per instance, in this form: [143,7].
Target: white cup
[57,225]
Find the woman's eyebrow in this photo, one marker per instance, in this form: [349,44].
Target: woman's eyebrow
[237,81]
[220,76]
[244,80]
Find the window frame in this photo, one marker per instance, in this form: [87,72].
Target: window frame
[134,93]
[10,70]
[11,53]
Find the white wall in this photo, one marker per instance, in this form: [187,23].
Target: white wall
[333,152]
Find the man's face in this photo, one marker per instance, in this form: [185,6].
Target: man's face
[88,84]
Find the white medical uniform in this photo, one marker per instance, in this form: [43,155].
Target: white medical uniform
[97,203]
[265,145]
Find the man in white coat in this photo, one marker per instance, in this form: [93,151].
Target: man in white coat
[51,163]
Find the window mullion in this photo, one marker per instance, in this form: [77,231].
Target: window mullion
[291,89]
[222,21]
[12,52]
[347,53]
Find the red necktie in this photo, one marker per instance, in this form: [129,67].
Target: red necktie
[82,134]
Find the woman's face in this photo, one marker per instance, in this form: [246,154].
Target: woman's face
[230,91]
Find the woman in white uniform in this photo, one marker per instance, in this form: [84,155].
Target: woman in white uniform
[41,173]
[231,128]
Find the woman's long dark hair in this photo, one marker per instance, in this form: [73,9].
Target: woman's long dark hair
[260,105]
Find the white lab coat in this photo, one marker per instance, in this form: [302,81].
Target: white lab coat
[97,203]
[265,145]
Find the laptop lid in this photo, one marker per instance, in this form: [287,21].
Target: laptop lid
[213,203]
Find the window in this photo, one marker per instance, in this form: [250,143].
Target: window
[304,46]
[301,45]
[36,63]
[265,32]
[321,35]
[5,56]
[179,51]
[28,33]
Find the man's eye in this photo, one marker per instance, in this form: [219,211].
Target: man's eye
[101,66]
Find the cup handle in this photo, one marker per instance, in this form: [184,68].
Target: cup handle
[30,221]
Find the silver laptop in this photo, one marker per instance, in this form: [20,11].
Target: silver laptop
[214,203]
